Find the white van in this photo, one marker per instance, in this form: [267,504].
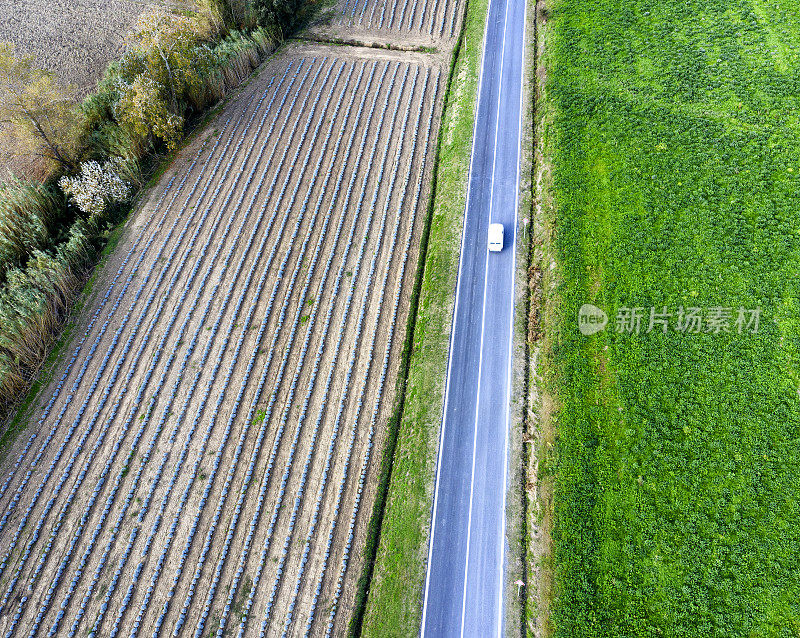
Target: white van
[495,238]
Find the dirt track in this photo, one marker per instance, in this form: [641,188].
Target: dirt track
[228,402]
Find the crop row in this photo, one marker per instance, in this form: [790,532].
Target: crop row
[223,348]
[148,542]
[369,351]
[245,214]
[279,434]
[303,297]
[379,398]
[437,18]
[87,357]
[160,426]
[54,427]
[326,270]
[108,389]
[337,349]
[232,470]
[166,409]
[324,401]
[135,482]
[272,350]
[109,353]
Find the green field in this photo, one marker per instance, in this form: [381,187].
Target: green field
[674,140]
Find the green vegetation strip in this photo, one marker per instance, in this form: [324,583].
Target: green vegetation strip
[675,145]
[394,604]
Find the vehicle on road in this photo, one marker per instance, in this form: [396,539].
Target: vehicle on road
[496,233]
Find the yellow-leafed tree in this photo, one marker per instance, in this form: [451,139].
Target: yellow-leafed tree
[35,109]
[163,65]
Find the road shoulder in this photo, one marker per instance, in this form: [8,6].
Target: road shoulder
[541,399]
[518,582]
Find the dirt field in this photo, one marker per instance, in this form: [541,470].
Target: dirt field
[403,24]
[75,39]
[207,456]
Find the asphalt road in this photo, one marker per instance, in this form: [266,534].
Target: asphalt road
[464,583]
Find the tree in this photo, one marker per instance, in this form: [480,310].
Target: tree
[166,45]
[276,13]
[97,186]
[144,110]
[285,15]
[164,64]
[33,104]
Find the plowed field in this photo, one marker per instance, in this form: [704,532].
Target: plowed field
[205,459]
[404,24]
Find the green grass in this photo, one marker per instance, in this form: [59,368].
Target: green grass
[394,605]
[242,596]
[675,149]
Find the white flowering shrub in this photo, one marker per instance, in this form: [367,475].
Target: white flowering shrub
[97,186]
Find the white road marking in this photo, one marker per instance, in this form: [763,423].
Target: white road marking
[455,318]
[475,430]
[501,562]
[483,320]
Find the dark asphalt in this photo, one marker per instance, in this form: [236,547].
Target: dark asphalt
[464,584]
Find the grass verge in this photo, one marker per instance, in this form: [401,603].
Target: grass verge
[542,405]
[398,541]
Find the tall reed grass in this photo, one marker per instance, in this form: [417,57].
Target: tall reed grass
[236,56]
[28,213]
[46,249]
[34,302]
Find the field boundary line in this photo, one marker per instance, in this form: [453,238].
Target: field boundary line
[520,578]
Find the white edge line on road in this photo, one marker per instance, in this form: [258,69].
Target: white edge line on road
[475,432]
[501,561]
[483,317]
[455,318]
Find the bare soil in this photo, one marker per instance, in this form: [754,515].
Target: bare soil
[231,388]
[74,39]
[407,24]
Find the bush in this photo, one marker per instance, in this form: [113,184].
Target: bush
[27,215]
[97,186]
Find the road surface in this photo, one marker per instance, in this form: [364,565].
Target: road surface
[464,582]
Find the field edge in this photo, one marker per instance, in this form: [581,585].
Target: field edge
[519,581]
[541,401]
